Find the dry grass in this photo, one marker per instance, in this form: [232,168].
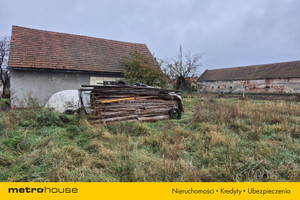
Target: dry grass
[217,140]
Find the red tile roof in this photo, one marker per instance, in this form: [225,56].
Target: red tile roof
[32,48]
[274,70]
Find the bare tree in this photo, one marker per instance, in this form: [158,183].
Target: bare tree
[4,71]
[182,68]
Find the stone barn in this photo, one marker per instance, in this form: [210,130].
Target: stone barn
[43,62]
[282,78]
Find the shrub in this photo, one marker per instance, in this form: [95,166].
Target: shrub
[140,68]
[46,117]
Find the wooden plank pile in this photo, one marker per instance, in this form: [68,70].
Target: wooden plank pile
[113,103]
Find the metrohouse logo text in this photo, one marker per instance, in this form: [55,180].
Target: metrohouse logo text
[42,190]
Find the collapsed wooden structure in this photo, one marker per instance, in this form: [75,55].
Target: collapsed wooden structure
[111,103]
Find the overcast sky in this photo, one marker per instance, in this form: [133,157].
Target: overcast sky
[227,32]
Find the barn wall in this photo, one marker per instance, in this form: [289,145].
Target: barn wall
[287,86]
[42,85]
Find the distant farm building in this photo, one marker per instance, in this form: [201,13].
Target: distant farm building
[268,78]
[43,63]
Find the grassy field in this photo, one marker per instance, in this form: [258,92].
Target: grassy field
[217,140]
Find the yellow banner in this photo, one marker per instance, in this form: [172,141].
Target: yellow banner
[78,191]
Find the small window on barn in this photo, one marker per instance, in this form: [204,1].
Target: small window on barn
[212,87]
[267,87]
[218,87]
[230,87]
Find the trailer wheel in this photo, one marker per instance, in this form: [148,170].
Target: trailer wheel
[175,113]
